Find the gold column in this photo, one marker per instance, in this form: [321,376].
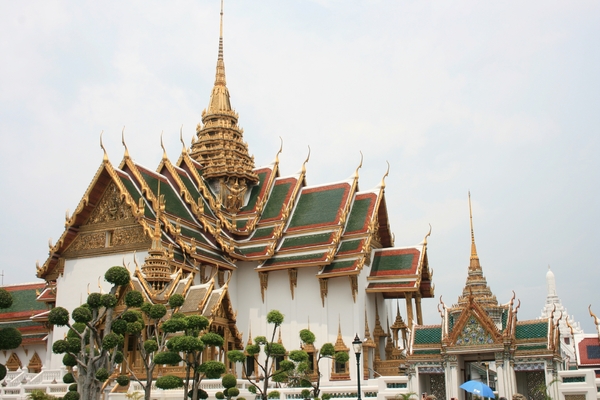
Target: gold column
[418,307]
[409,309]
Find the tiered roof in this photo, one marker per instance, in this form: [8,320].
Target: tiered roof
[25,307]
[212,207]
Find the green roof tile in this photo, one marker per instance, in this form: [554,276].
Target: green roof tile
[250,250]
[262,233]
[255,191]
[133,191]
[428,335]
[395,262]
[173,203]
[295,259]
[340,266]
[536,330]
[358,215]
[350,246]
[306,240]
[276,199]
[23,300]
[318,206]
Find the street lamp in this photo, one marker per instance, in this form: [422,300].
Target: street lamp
[357,345]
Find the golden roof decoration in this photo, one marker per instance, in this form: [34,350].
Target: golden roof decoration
[220,147]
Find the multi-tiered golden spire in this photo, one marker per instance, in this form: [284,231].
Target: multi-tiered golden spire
[220,147]
[476,285]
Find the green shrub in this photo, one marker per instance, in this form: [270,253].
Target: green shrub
[228,381]
[109,300]
[134,299]
[117,276]
[58,316]
[94,300]
[102,374]
[219,395]
[5,298]
[123,380]
[169,382]
[68,378]
[10,338]
[274,394]
[2,371]
[176,300]
[69,360]
[305,394]
[73,387]
[71,396]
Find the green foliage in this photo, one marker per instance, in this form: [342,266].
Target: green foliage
[169,382]
[69,360]
[134,328]
[71,396]
[5,298]
[130,316]
[119,326]
[274,350]
[2,371]
[274,394]
[145,307]
[77,326]
[176,300]
[232,392]
[228,381]
[253,349]
[196,322]
[252,389]
[10,338]
[60,346]
[102,374]
[219,395]
[40,395]
[157,311]
[58,316]
[298,356]
[305,393]
[212,369]
[186,344]
[201,394]
[173,325]
[68,378]
[236,356]
[307,336]
[150,346]
[123,380]
[326,396]
[341,357]
[119,357]
[327,350]
[275,317]
[134,299]
[73,387]
[399,396]
[73,344]
[111,340]
[212,339]
[167,357]
[94,300]
[260,340]
[109,300]
[117,276]
[286,365]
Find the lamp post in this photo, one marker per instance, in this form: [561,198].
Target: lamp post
[357,345]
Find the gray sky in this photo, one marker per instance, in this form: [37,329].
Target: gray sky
[499,98]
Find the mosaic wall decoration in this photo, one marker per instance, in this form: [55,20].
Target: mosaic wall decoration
[473,334]
[535,381]
[575,397]
[438,386]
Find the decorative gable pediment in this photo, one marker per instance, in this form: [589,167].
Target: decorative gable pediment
[474,327]
[111,226]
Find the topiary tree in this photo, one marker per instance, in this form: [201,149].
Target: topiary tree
[229,382]
[272,351]
[10,338]
[196,337]
[93,343]
[151,339]
[302,375]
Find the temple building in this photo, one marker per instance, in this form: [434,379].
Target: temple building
[480,339]
[238,240]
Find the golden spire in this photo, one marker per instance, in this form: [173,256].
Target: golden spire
[220,146]
[476,285]
[474,257]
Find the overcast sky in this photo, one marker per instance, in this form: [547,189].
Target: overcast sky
[499,98]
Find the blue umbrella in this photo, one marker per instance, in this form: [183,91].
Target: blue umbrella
[478,388]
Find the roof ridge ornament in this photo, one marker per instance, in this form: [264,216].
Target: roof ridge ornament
[279,151]
[474,264]
[387,172]
[359,166]
[184,149]
[162,145]
[303,170]
[105,157]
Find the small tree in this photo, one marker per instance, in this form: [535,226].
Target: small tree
[151,341]
[272,352]
[91,343]
[229,382]
[10,338]
[191,344]
[301,375]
